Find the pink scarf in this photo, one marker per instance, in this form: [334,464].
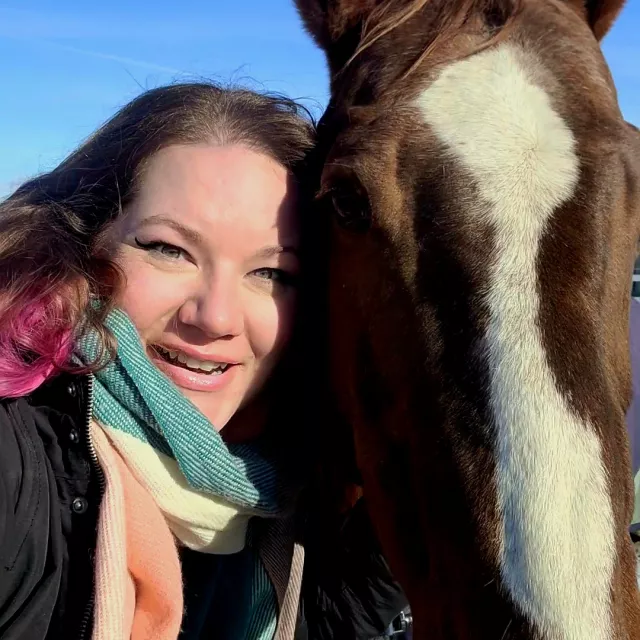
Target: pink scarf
[137,570]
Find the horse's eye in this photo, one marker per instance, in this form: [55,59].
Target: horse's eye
[351,206]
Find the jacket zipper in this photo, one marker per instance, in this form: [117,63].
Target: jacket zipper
[87,430]
[101,484]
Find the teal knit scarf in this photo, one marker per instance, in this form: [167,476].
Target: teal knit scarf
[133,395]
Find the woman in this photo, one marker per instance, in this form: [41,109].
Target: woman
[151,434]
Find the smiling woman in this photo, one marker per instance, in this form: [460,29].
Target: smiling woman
[149,305]
[148,295]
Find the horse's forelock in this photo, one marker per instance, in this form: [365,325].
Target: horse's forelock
[447,19]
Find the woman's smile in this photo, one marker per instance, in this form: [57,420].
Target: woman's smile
[195,374]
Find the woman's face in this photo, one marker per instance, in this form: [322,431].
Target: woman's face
[209,251]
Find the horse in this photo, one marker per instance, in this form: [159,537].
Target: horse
[480,193]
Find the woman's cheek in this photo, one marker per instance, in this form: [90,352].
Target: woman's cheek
[273,327]
[148,294]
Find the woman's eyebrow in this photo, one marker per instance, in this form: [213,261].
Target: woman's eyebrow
[191,235]
[274,250]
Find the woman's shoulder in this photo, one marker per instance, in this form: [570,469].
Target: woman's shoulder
[40,437]
[28,424]
[20,441]
[36,454]
[21,462]
[12,411]
[16,433]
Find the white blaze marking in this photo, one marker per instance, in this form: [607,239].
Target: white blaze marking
[557,538]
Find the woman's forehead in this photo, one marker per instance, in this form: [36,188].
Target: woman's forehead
[208,187]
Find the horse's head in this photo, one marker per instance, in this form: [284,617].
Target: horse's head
[484,195]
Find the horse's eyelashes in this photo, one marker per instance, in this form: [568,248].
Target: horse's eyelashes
[348,200]
[351,209]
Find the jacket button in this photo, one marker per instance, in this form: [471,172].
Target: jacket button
[79,505]
[74,436]
[71,390]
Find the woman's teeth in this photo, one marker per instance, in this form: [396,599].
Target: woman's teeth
[179,358]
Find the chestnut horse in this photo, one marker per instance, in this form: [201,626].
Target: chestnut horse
[482,196]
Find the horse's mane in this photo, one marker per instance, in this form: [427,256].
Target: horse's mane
[448,18]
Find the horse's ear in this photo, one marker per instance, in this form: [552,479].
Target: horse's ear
[600,14]
[335,24]
[328,20]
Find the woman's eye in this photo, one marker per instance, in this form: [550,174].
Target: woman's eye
[275,275]
[169,251]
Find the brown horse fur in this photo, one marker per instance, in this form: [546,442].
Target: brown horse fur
[482,192]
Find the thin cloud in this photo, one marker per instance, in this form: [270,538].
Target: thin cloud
[144,64]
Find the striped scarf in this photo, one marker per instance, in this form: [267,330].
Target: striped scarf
[205,490]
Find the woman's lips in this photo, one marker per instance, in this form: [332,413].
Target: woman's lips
[194,380]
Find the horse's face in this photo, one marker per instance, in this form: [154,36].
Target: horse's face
[485,208]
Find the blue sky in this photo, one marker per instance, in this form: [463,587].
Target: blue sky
[67,65]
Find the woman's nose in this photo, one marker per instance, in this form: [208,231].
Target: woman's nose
[215,309]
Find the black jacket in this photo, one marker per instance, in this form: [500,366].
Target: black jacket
[50,492]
